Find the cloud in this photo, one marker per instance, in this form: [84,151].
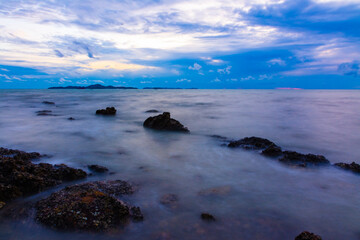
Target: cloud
[350,69]
[113,65]
[58,53]
[216,80]
[276,61]
[183,80]
[225,70]
[64,80]
[196,67]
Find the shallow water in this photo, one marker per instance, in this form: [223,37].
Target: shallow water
[261,198]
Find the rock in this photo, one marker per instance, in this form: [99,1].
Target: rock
[164,122]
[107,111]
[303,160]
[170,200]
[88,207]
[2,204]
[47,102]
[216,191]
[253,143]
[207,217]
[308,236]
[45,113]
[71,118]
[152,111]
[354,167]
[98,168]
[20,177]
[272,151]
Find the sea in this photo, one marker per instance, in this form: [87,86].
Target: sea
[251,196]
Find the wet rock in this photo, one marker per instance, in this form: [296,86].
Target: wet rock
[98,168]
[71,118]
[20,177]
[89,207]
[45,113]
[107,111]
[164,122]
[2,204]
[253,143]
[272,151]
[303,160]
[47,102]
[170,200]
[308,236]
[152,111]
[17,154]
[354,167]
[207,217]
[216,191]
[219,137]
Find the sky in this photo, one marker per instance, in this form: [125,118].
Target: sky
[235,44]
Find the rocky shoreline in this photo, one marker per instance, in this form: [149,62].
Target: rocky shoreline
[99,206]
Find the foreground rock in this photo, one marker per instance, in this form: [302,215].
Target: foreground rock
[303,160]
[354,167]
[98,168]
[164,122]
[89,206]
[107,111]
[170,200]
[20,177]
[308,236]
[252,143]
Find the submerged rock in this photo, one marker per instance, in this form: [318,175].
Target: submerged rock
[20,177]
[89,206]
[71,118]
[253,143]
[98,168]
[107,111]
[164,122]
[308,236]
[207,217]
[170,200]
[303,160]
[47,102]
[215,191]
[45,113]
[354,167]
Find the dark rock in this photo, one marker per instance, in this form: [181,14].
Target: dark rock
[164,122]
[207,217]
[89,207]
[107,111]
[253,143]
[170,200]
[303,160]
[71,118]
[308,236]
[98,168]
[354,167]
[215,191]
[20,177]
[152,111]
[2,204]
[219,137]
[45,113]
[272,151]
[47,102]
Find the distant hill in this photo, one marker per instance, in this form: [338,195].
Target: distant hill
[95,86]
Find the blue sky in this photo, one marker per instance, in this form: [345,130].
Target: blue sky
[204,44]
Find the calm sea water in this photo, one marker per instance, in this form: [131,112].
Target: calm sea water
[262,199]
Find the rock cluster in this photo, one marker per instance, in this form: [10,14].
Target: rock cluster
[20,177]
[90,206]
[98,168]
[164,122]
[354,167]
[107,111]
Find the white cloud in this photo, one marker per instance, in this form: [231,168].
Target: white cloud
[216,80]
[276,61]
[247,78]
[196,67]
[183,80]
[225,70]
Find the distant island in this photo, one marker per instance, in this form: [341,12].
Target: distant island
[95,86]
[99,86]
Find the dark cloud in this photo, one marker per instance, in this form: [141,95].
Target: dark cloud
[58,53]
[84,46]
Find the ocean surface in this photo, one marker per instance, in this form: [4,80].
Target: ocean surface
[259,198]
